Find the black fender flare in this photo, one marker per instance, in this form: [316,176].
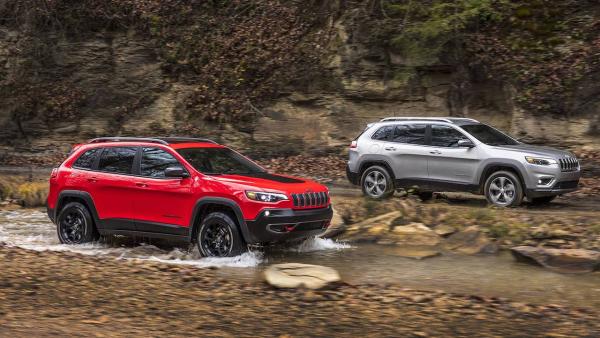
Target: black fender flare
[80,195]
[224,202]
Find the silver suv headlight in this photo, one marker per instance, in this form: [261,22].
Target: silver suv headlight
[271,197]
[540,160]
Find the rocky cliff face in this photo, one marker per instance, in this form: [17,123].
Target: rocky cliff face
[334,77]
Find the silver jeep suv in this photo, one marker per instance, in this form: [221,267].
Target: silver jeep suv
[457,154]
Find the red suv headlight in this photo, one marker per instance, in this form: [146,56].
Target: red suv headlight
[269,197]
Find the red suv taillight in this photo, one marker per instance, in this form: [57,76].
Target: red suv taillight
[353,145]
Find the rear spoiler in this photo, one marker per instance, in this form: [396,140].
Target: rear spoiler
[354,144]
[366,128]
[75,147]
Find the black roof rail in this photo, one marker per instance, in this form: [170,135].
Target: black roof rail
[448,119]
[161,140]
[127,139]
[176,139]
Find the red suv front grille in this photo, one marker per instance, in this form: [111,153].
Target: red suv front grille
[310,199]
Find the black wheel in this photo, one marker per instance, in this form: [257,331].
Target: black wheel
[219,236]
[75,225]
[503,189]
[425,195]
[542,200]
[377,183]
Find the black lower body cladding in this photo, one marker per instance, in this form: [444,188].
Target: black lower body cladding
[354,178]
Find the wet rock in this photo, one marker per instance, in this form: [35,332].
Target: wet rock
[371,229]
[562,260]
[416,252]
[556,243]
[336,227]
[415,234]
[381,221]
[296,275]
[444,230]
[560,233]
[470,241]
[421,299]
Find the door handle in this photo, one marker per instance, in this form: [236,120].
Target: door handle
[141,184]
[435,152]
[92,180]
[390,148]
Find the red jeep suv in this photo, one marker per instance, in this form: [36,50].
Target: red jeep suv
[182,189]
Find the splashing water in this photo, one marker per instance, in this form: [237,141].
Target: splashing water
[31,229]
[246,260]
[319,244]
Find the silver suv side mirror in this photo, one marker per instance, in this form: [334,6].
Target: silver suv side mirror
[466,143]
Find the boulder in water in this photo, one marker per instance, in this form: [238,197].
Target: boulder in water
[470,241]
[416,252]
[297,275]
[444,230]
[562,260]
[372,229]
[416,234]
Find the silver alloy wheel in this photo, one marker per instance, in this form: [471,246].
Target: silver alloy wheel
[502,191]
[375,184]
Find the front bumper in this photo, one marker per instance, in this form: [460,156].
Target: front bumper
[562,181]
[558,188]
[281,225]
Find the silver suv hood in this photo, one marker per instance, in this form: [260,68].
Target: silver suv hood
[536,150]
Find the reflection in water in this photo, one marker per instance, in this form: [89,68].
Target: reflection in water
[490,275]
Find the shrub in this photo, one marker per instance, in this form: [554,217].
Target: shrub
[498,230]
[7,188]
[32,194]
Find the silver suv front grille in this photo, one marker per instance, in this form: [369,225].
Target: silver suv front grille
[568,164]
[310,199]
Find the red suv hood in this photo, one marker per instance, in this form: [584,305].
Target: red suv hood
[271,182]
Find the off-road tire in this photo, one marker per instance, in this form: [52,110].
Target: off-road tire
[69,215]
[228,230]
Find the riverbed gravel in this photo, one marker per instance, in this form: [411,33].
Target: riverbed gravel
[46,294]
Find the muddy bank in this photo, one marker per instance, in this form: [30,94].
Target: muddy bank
[70,294]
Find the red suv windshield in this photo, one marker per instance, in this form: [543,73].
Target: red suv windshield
[218,161]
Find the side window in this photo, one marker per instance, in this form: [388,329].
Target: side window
[86,160]
[117,160]
[410,133]
[445,136]
[155,161]
[383,133]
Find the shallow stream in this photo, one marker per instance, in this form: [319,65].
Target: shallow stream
[487,275]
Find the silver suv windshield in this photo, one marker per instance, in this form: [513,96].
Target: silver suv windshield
[489,135]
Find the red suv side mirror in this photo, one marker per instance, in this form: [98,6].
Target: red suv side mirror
[176,172]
